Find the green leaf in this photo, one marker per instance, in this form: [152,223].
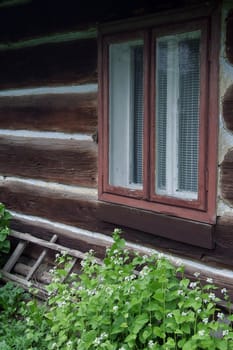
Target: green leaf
[139,322]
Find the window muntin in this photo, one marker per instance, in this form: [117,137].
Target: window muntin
[177,115]
[126,114]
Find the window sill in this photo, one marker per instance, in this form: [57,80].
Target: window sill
[171,227]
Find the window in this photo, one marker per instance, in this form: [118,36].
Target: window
[155,120]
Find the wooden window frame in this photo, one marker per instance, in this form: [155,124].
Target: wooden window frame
[204,208]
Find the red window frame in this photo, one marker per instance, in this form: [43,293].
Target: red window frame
[204,208]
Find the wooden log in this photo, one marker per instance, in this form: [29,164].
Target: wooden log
[87,213]
[72,62]
[42,276]
[229,37]
[222,254]
[15,256]
[227,106]
[226,177]
[27,19]
[77,208]
[73,113]
[63,161]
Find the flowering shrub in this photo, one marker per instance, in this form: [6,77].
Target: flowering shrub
[134,302]
[129,302]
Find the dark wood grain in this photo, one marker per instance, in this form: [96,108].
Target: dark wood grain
[229,37]
[227,107]
[51,64]
[77,209]
[84,211]
[84,242]
[58,16]
[226,177]
[186,231]
[50,112]
[64,161]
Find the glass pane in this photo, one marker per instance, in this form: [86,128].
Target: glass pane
[126,114]
[177,114]
[137,146]
[188,115]
[161,113]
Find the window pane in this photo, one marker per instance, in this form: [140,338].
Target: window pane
[188,115]
[177,114]
[126,114]
[161,121]
[137,53]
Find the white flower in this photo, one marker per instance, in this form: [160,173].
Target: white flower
[115,308]
[224,291]
[197,298]
[212,296]
[122,348]
[196,274]
[209,280]
[225,332]
[184,313]
[130,278]
[180,292]
[220,315]
[193,285]
[201,332]
[97,341]
[205,320]
[199,311]
[150,344]
[169,315]
[103,335]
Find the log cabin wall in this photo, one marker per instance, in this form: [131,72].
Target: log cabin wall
[48,140]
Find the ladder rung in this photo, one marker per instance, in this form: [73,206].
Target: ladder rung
[40,259]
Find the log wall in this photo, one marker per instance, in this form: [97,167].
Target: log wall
[48,149]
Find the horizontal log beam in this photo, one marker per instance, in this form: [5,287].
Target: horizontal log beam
[69,206]
[86,240]
[77,238]
[64,161]
[50,64]
[74,113]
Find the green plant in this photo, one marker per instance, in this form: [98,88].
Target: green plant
[129,302]
[4,229]
[133,302]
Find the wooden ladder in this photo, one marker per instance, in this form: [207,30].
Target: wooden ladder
[28,282]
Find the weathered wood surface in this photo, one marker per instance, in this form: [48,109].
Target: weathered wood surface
[69,207]
[218,272]
[63,161]
[186,231]
[75,14]
[72,62]
[221,255]
[227,106]
[226,178]
[50,112]
[229,37]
